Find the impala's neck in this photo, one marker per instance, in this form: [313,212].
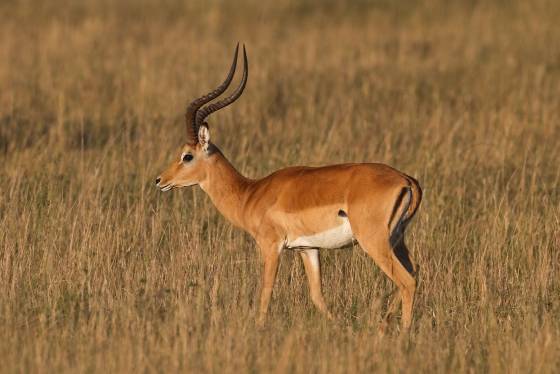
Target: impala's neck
[226,188]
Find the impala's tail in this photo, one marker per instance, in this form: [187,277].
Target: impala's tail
[406,205]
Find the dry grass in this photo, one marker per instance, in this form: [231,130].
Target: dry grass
[100,272]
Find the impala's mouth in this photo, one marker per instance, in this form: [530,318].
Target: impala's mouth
[167,187]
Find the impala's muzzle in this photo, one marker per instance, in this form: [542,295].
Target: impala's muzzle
[164,187]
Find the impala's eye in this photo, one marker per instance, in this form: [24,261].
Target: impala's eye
[187,157]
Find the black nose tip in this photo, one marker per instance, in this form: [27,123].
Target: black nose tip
[157,180]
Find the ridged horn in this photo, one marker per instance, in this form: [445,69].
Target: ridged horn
[211,108]
[192,108]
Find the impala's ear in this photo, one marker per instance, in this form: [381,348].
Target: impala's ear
[204,137]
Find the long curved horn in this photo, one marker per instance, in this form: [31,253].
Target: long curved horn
[211,108]
[190,115]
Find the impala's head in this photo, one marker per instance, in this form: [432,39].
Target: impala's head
[190,165]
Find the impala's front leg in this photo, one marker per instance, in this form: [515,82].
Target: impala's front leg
[270,254]
[310,259]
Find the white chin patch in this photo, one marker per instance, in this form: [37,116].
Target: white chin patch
[336,237]
[167,188]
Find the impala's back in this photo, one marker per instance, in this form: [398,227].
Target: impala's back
[314,206]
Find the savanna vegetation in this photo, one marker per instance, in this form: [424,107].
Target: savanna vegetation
[101,272]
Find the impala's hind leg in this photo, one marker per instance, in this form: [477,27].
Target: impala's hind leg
[376,244]
[401,252]
[310,259]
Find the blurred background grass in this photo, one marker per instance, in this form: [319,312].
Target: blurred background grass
[101,272]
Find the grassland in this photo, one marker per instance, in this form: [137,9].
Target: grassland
[100,272]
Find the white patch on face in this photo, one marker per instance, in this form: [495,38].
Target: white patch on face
[336,237]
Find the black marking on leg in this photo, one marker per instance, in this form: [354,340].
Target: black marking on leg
[402,253]
[398,230]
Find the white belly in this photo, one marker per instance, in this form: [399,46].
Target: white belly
[336,237]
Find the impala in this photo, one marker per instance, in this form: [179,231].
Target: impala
[302,208]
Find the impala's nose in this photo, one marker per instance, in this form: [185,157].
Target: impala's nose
[157,180]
